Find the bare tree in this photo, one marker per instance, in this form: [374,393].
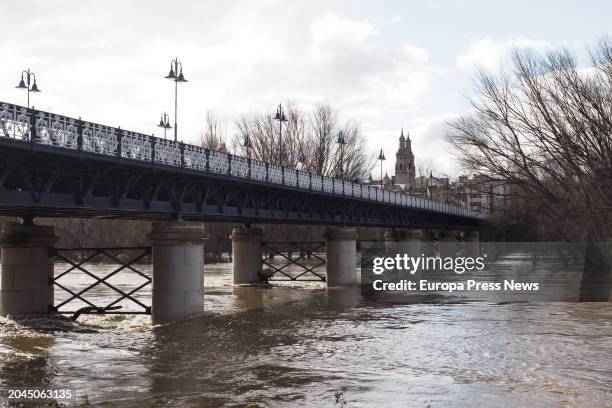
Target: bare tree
[311,136]
[424,167]
[260,131]
[213,135]
[545,131]
[323,124]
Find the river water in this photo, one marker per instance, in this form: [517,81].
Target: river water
[304,346]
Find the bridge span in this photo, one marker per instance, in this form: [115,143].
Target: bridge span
[56,166]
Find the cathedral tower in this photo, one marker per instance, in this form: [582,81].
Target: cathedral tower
[404,163]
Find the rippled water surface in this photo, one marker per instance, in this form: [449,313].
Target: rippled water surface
[307,346]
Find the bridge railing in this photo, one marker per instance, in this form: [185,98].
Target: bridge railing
[38,127]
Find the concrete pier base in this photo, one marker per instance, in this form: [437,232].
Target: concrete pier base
[178,266]
[448,243]
[471,244]
[27,269]
[391,245]
[341,251]
[246,249]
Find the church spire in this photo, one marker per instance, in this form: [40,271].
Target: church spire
[402,140]
[404,162]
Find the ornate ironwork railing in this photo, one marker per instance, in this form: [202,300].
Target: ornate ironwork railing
[38,127]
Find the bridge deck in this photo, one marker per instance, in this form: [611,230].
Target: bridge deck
[53,165]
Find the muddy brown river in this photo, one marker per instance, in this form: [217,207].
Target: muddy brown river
[304,346]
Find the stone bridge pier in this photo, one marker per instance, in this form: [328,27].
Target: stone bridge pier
[27,269]
[341,252]
[246,250]
[391,245]
[471,243]
[403,241]
[448,241]
[178,267]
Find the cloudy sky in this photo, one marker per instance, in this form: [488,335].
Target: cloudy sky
[386,64]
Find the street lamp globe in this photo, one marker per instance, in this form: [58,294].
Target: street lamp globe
[28,82]
[171,74]
[176,67]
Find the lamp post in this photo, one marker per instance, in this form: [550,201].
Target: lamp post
[280,116]
[176,75]
[28,82]
[248,145]
[164,123]
[381,157]
[341,141]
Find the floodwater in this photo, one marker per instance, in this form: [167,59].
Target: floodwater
[304,346]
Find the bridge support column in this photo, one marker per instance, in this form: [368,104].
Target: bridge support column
[471,243]
[391,244]
[448,244]
[178,266]
[341,251]
[409,242]
[427,242]
[246,248]
[27,269]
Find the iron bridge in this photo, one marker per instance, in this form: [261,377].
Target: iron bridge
[56,166]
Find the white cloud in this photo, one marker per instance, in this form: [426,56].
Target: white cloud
[430,143]
[96,61]
[394,20]
[333,32]
[489,53]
